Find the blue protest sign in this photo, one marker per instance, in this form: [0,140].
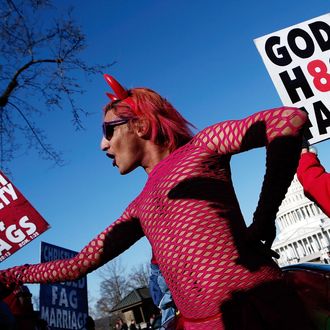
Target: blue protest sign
[63,305]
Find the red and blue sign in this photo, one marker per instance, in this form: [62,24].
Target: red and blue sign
[63,305]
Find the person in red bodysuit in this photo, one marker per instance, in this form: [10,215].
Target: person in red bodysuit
[314,179]
[219,271]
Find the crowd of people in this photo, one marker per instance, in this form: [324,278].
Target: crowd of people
[121,325]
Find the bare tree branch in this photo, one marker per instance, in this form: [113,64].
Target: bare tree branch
[116,284]
[40,68]
[139,276]
[13,82]
[51,155]
[113,288]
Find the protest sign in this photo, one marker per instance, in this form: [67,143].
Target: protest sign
[298,61]
[20,222]
[63,305]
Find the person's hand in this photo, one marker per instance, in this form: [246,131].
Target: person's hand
[306,147]
[262,239]
[310,149]
[305,143]
[253,250]
[261,231]
[313,150]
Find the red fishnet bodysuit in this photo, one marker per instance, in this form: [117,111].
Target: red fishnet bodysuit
[188,211]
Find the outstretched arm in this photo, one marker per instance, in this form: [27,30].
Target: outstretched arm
[111,242]
[257,130]
[315,180]
[282,156]
[280,131]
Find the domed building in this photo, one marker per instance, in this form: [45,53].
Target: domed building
[303,229]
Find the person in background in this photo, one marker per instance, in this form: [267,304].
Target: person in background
[219,271]
[132,326]
[7,319]
[161,296]
[121,325]
[314,179]
[90,324]
[20,304]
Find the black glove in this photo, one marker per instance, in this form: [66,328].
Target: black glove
[281,162]
[269,234]
[305,144]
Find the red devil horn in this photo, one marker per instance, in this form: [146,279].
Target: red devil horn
[112,97]
[120,91]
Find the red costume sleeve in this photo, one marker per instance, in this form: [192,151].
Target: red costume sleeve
[280,131]
[107,245]
[315,180]
[233,136]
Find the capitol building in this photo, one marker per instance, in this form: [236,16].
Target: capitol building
[303,229]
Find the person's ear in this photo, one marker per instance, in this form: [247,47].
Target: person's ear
[142,128]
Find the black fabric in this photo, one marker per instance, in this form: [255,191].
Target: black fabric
[281,164]
[269,306]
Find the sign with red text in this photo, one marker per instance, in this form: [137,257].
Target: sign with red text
[63,305]
[20,222]
[298,61]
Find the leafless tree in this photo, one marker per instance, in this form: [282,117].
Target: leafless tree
[117,283]
[113,288]
[139,276]
[41,67]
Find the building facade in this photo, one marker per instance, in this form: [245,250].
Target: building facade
[303,229]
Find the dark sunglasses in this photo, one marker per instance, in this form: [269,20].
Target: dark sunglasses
[108,127]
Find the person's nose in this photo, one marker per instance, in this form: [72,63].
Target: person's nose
[105,144]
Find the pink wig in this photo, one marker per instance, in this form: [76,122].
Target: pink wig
[166,126]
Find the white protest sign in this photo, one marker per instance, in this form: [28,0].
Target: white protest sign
[298,61]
